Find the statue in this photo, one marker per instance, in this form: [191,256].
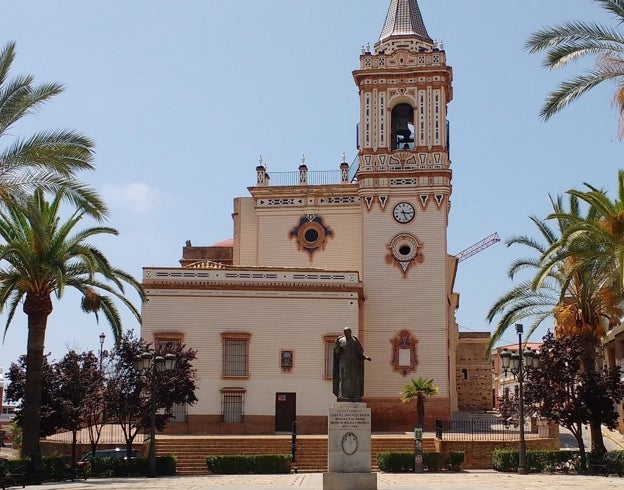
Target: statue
[348,373]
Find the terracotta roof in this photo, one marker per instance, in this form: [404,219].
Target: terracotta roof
[404,19]
[225,243]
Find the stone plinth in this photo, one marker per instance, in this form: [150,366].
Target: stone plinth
[349,481]
[349,448]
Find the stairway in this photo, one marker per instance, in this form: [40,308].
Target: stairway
[311,455]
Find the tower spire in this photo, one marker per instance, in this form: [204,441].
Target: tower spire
[403,20]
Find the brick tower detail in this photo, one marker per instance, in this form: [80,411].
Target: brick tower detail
[404,182]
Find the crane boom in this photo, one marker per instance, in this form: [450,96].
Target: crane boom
[477,247]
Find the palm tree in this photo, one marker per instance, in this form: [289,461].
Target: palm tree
[567,285]
[44,256]
[48,160]
[604,232]
[573,40]
[580,299]
[418,389]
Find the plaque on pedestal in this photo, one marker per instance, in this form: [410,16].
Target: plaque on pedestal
[349,448]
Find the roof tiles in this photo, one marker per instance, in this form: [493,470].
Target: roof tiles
[404,19]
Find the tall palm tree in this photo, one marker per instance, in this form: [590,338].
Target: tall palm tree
[48,160]
[579,298]
[41,257]
[418,389]
[566,284]
[573,40]
[603,233]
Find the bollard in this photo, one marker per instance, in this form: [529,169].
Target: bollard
[293,445]
[418,452]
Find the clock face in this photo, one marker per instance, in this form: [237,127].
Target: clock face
[404,212]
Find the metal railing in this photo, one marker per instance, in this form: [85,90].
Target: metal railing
[480,430]
[310,177]
[111,434]
[315,177]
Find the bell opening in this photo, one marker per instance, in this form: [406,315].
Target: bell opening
[403,127]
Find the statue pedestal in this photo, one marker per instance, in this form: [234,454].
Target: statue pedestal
[349,448]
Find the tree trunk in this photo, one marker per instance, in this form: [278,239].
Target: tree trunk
[597,441]
[582,453]
[38,308]
[420,411]
[595,423]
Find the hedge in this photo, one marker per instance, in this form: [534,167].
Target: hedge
[249,464]
[506,460]
[403,462]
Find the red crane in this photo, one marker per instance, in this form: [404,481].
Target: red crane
[478,247]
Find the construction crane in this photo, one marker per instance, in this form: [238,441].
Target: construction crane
[478,247]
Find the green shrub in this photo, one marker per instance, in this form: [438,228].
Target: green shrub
[115,467]
[455,460]
[611,463]
[506,460]
[229,465]
[434,461]
[403,462]
[395,462]
[272,464]
[19,467]
[253,464]
[53,469]
[166,465]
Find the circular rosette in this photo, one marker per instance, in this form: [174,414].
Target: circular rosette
[405,251]
[311,234]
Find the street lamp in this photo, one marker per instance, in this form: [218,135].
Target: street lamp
[102,339]
[149,362]
[519,363]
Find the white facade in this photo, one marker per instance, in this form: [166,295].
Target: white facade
[309,259]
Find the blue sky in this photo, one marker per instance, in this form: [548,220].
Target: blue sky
[182,98]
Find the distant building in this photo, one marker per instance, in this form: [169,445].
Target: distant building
[507,384]
[7,414]
[614,357]
[474,373]
[361,246]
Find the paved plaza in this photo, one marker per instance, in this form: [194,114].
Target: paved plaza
[467,480]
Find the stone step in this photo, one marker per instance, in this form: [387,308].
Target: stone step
[311,455]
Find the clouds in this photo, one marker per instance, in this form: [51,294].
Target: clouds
[136,197]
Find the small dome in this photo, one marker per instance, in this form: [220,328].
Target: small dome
[225,243]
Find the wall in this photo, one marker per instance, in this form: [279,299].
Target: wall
[614,354]
[478,454]
[473,372]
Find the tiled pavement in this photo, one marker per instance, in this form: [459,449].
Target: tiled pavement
[468,480]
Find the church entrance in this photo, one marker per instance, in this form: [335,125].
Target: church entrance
[285,411]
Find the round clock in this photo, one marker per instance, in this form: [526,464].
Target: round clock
[403,212]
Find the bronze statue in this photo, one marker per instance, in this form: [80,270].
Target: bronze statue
[348,373]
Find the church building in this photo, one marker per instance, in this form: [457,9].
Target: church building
[363,246]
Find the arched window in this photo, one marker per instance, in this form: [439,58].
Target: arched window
[464,374]
[403,127]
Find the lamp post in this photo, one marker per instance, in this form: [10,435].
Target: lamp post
[150,363]
[102,339]
[519,363]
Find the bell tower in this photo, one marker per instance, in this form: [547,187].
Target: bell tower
[405,86]
[404,180]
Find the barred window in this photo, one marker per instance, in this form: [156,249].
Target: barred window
[166,343]
[328,342]
[235,355]
[232,405]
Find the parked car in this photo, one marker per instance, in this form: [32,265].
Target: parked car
[117,452]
